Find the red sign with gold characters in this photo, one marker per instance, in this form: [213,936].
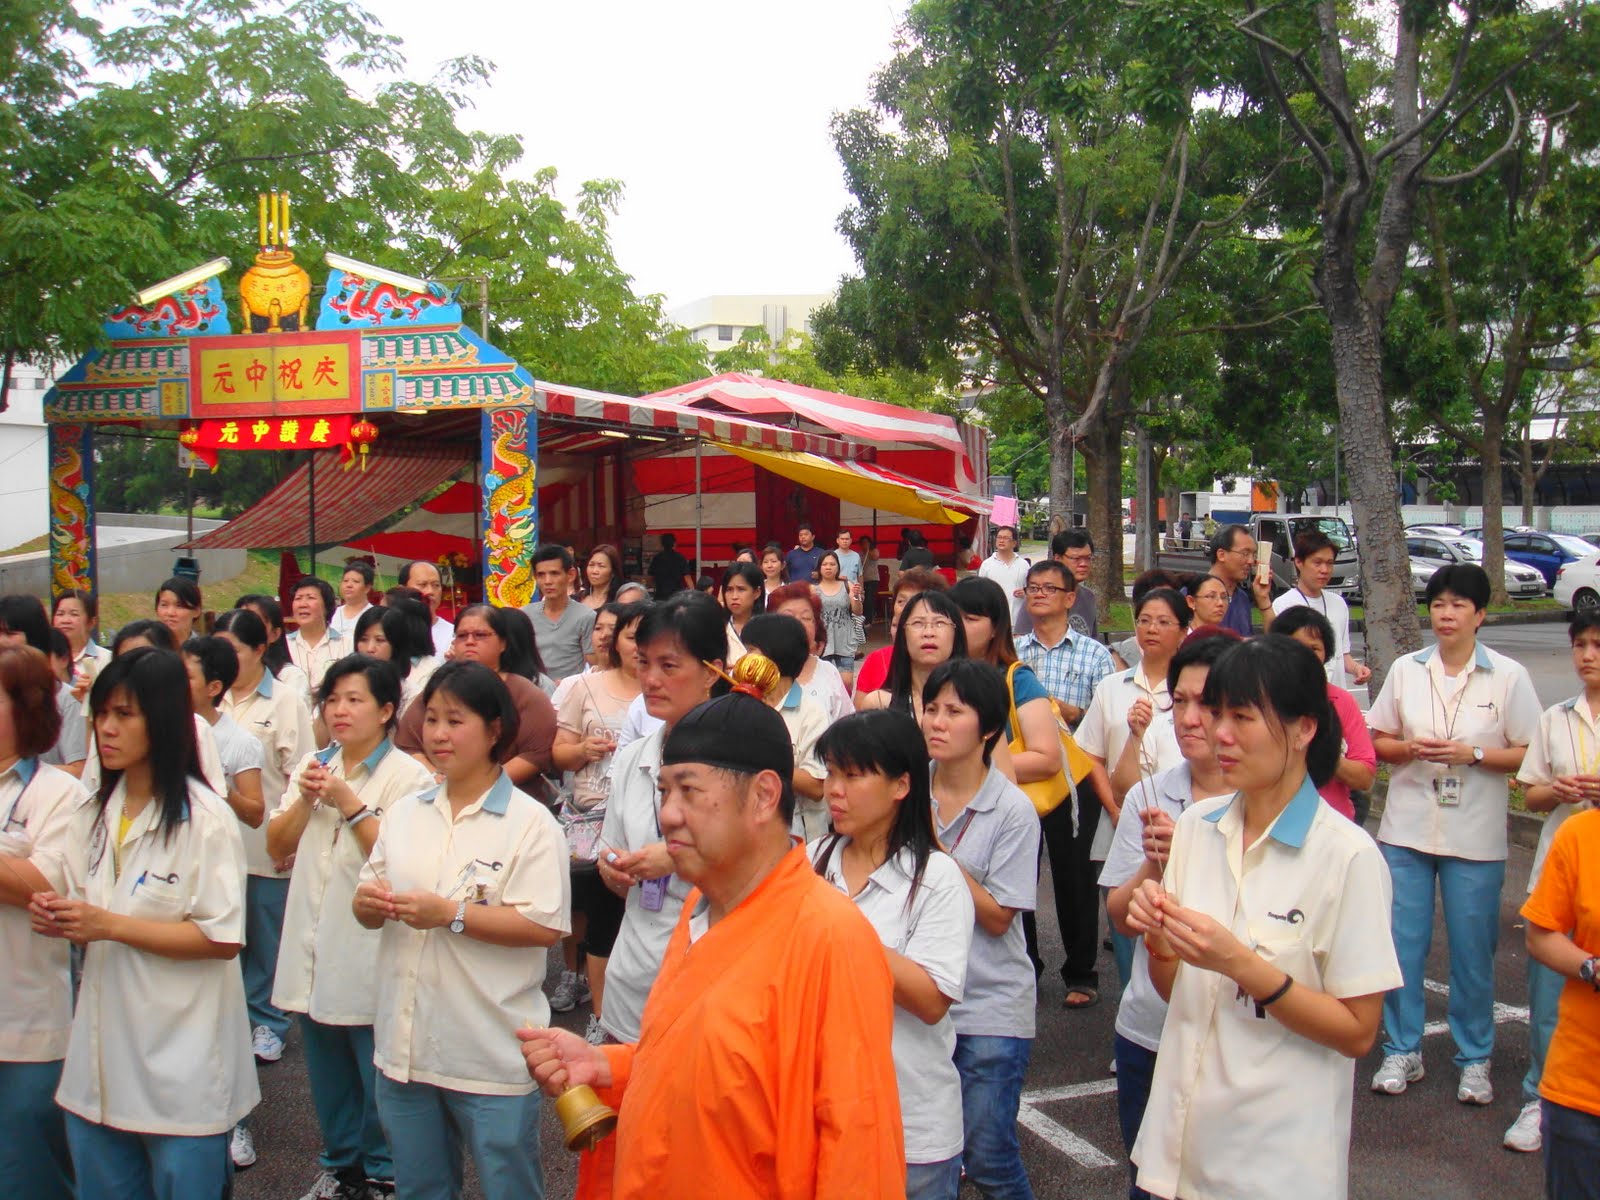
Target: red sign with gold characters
[272,374]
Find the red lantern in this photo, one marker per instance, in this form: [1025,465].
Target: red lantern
[362,434]
[189,438]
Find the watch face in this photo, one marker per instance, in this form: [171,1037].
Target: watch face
[458,925]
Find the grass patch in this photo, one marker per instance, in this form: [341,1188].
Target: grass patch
[259,575]
[42,542]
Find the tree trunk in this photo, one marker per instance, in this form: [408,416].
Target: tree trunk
[1494,491]
[1102,452]
[1147,518]
[1062,483]
[1529,476]
[1391,611]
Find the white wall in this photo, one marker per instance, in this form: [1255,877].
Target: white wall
[24,460]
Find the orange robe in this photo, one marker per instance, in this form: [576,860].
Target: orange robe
[763,1068]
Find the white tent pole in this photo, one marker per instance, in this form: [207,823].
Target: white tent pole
[699,511]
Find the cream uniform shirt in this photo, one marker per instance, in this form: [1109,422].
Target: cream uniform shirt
[314,660]
[1240,1107]
[44,816]
[205,743]
[449,1005]
[278,717]
[1490,704]
[1104,733]
[1568,743]
[161,1046]
[327,960]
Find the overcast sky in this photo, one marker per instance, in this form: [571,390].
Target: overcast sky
[714,116]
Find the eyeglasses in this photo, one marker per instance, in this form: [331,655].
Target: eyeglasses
[1043,589]
[474,635]
[937,625]
[1155,623]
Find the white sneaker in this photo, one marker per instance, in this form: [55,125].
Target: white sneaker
[595,1034]
[267,1045]
[1396,1072]
[325,1188]
[1524,1132]
[1475,1087]
[564,996]
[242,1147]
[583,994]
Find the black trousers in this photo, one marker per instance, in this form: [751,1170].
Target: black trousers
[1077,891]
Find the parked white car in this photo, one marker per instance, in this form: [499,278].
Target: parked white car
[1578,584]
[1433,531]
[1522,581]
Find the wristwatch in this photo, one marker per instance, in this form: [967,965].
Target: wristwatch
[459,924]
[1477,756]
[1586,972]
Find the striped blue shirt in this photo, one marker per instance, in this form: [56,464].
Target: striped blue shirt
[1070,669]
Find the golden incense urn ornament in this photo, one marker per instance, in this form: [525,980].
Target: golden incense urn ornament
[276,291]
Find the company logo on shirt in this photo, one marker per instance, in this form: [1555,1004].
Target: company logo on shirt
[1293,917]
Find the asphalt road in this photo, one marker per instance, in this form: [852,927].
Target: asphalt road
[1421,1146]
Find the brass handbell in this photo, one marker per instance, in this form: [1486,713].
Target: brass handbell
[585,1119]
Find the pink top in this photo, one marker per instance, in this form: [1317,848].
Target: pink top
[1357,747]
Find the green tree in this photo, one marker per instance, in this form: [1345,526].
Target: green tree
[1031,180]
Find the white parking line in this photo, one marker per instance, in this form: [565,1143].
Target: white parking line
[1090,1157]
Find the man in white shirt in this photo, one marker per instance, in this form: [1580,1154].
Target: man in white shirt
[424,577]
[1007,568]
[1314,553]
[314,644]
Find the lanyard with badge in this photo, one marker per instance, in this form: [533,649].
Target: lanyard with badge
[653,892]
[1447,787]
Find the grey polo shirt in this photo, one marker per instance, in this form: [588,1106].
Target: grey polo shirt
[996,839]
[564,643]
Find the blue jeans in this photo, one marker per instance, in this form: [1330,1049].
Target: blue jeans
[263,929]
[147,1166]
[429,1127]
[34,1162]
[1470,894]
[1571,1153]
[991,1070]
[344,1093]
[1136,1067]
[1544,996]
[934,1181]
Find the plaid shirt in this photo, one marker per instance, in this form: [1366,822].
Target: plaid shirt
[1070,669]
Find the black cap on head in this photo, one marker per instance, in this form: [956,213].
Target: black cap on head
[738,733]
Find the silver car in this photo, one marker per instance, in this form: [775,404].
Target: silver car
[1522,582]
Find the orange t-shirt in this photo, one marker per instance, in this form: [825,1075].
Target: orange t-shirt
[1568,899]
[764,1064]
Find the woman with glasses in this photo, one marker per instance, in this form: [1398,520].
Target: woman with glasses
[158,1064]
[1128,730]
[468,882]
[43,821]
[932,630]
[486,635]
[1208,600]
[1268,936]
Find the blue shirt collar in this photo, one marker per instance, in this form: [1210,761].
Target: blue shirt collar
[264,688]
[496,800]
[25,769]
[370,762]
[792,700]
[1293,823]
[1480,656]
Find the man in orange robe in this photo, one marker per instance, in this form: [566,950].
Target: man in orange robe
[763,1067]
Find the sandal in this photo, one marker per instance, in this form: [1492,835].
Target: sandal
[1092,994]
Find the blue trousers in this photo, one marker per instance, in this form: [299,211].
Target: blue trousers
[1136,1068]
[429,1128]
[1121,944]
[147,1166]
[1470,894]
[1544,997]
[991,1070]
[263,929]
[34,1161]
[934,1180]
[344,1093]
[1571,1153]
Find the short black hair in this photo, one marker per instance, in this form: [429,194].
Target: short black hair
[1467,580]
[981,687]
[59,646]
[668,540]
[1201,650]
[219,661]
[1011,529]
[1071,539]
[781,638]
[158,683]
[148,628]
[627,614]
[1283,679]
[1302,616]
[1222,540]
[185,589]
[480,690]
[806,525]
[322,587]
[362,568]
[1312,541]
[546,551]
[1583,620]
[25,615]
[383,681]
